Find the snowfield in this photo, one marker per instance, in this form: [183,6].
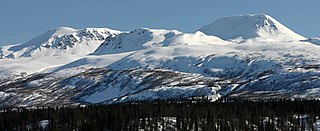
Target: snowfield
[249,56]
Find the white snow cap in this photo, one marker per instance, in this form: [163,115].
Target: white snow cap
[62,30]
[250,26]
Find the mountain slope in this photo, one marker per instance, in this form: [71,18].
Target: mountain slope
[250,26]
[103,86]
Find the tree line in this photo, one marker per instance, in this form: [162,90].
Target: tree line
[191,114]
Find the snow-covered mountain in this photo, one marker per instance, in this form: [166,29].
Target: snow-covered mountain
[51,49]
[148,64]
[152,38]
[59,41]
[251,26]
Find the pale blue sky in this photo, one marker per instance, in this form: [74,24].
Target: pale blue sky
[22,20]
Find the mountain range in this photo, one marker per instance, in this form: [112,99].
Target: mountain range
[249,56]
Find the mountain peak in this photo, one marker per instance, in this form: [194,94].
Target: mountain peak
[250,26]
[61,30]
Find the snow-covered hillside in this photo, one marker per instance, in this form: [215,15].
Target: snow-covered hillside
[147,64]
[251,26]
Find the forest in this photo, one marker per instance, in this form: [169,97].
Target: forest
[191,114]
